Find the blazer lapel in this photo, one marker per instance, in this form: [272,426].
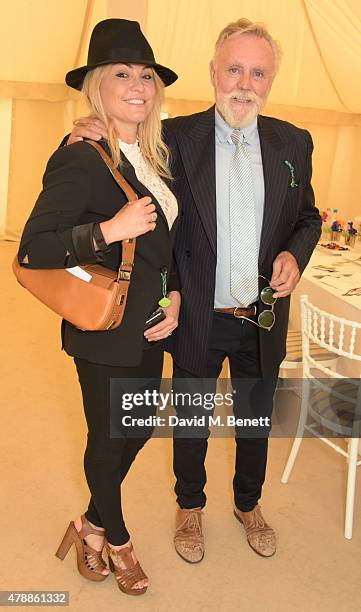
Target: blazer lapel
[276,179]
[197,149]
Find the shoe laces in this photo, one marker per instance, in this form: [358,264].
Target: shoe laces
[258,520]
[193,523]
[191,527]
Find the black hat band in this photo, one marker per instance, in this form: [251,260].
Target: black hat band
[115,54]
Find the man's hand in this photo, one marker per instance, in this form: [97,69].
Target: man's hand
[164,328]
[285,274]
[87,127]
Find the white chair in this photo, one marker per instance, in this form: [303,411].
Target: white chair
[333,401]
[293,359]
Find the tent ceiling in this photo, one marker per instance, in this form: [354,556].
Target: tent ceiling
[39,39]
[321,40]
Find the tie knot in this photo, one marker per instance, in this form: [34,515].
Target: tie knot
[237,137]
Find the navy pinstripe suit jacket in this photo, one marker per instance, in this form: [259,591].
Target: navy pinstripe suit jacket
[291,222]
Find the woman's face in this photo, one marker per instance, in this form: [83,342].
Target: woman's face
[128,95]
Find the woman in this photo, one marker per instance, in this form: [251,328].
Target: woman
[82,216]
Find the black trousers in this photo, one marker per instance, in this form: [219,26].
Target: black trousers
[238,340]
[107,458]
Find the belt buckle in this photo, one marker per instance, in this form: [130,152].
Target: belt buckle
[237,316]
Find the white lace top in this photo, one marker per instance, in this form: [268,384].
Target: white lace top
[151,180]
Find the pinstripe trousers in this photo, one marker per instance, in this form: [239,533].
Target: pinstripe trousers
[238,340]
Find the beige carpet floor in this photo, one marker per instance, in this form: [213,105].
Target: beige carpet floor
[42,488]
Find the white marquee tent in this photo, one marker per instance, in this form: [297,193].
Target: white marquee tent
[318,86]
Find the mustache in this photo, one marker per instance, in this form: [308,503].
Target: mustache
[243,95]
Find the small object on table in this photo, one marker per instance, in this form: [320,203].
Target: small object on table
[325,268]
[334,246]
[350,234]
[355,291]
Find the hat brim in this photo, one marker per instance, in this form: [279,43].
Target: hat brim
[75,77]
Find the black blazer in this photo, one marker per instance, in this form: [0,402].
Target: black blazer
[291,222]
[78,190]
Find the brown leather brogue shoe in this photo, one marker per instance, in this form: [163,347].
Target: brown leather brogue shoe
[188,538]
[260,536]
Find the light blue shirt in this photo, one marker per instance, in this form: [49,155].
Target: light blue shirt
[224,151]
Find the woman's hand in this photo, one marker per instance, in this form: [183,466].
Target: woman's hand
[87,127]
[169,324]
[134,219]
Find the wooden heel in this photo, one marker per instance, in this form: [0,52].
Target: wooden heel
[89,561]
[66,543]
[111,564]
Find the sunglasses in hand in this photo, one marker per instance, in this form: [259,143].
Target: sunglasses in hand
[267,318]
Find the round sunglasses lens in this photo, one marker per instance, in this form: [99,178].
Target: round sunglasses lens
[267,295]
[266,318]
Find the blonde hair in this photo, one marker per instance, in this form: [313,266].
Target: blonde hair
[154,150]
[245,26]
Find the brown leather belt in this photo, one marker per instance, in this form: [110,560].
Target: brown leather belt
[238,312]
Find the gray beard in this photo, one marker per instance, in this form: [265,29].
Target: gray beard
[235,123]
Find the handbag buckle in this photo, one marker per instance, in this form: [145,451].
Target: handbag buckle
[124,275]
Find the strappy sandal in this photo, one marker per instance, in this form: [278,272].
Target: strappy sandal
[90,562]
[128,577]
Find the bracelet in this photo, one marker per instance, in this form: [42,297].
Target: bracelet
[99,238]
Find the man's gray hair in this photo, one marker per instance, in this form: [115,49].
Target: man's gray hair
[245,26]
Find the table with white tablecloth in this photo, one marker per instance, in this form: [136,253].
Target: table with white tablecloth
[327,278]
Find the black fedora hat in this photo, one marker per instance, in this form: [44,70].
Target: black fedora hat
[118,41]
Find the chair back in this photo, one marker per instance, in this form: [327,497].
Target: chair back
[336,334]
[334,403]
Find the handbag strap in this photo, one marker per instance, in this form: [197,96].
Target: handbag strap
[123,184]
[128,245]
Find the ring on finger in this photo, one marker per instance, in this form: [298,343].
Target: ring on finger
[154,217]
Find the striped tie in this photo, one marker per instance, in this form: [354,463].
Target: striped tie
[244,252]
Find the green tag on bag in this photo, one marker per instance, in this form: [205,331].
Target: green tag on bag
[164,302]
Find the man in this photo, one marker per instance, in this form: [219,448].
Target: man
[248,215]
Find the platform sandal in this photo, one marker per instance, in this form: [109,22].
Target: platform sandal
[89,561]
[128,577]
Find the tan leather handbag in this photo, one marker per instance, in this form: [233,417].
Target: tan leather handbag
[91,297]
